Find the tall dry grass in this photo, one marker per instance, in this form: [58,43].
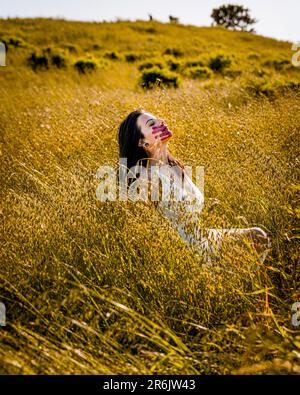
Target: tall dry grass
[107,288]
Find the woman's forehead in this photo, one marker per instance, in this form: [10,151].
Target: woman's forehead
[145,116]
[148,115]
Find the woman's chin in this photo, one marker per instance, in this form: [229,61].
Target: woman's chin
[166,139]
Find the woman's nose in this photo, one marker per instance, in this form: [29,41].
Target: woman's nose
[161,123]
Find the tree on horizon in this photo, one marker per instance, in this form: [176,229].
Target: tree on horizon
[234,17]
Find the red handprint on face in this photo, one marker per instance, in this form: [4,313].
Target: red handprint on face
[161,131]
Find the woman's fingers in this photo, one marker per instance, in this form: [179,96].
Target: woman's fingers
[157,130]
[158,134]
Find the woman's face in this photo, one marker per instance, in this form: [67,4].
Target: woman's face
[153,129]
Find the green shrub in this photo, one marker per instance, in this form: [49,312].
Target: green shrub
[59,60]
[38,61]
[157,76]
[282,86]
[150,30]
[232,72]
[258,72]
[150,64]
[132,57]
[253,56]
[47,50]
[112,55]
[15,42]
[259,87]
[263,86]
[219,62]
[101,63]
[70,48]
[55,57]
[278,65]
[174,64]
[174,52]
[46,57]
[96,47]
[198,72]
[193,63]
[291,85]
[142,29]
[84,66]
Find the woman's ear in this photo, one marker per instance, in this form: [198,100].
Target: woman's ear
[143,144]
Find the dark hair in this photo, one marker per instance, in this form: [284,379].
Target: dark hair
[129,134]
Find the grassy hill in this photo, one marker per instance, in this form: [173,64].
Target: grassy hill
[102,288]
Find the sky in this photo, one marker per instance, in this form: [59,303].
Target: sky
[276,18]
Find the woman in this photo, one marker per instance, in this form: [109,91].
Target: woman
[143,141]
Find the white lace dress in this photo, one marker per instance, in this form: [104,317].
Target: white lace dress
[181,202]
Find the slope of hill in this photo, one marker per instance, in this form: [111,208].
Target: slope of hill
[125,47]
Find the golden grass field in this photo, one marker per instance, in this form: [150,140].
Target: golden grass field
[110,288]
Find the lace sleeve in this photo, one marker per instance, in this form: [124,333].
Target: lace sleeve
[182,205]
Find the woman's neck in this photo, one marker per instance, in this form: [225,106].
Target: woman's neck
[160,156]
